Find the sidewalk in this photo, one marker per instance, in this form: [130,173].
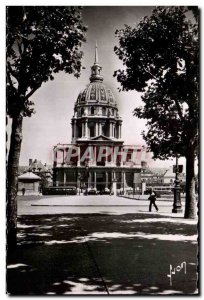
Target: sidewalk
[103,254]
[88,204]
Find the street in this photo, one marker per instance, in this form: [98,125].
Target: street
[101,245]
[90,204]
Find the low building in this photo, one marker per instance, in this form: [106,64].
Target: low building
[153,176]
[29,184]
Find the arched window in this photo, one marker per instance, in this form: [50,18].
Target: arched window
[82,111]
[92,110]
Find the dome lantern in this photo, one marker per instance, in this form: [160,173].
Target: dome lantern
[96,69]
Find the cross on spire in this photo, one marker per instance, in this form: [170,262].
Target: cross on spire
[96,54]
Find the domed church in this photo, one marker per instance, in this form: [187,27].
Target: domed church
[97,156]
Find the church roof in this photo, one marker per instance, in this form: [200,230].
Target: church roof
[155,171]
[37,165]
[96,92]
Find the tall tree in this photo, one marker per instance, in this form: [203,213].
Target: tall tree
[41,41]
[161,60]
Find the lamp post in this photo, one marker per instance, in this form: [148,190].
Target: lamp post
[177,206]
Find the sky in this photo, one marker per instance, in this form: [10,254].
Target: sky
[54,101]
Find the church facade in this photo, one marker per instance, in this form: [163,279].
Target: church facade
[97,156]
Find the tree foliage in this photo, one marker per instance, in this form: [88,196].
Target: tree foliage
[161,59]
[41,41]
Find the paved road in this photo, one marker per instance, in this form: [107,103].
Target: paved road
[88,204]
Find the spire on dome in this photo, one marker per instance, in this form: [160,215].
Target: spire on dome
[96,68]
[96,54]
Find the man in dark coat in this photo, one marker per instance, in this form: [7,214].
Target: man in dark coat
[152,198]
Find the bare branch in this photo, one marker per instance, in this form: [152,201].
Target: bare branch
[151,74]
[179,109]
[31,92]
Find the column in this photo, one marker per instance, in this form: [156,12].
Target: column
[106,180]
[72,130]
[75,135]
[123,181]
[82,129]
[63,156]
[89,179]
[106,158]
[114,188]
[79,157]
[143,187]
[65,178]
[95,162]
[114,130]
[117,131]
[100,128]
[96,129]
[110,129]
[55,156]
[94,179]
[113,156]
[86,129]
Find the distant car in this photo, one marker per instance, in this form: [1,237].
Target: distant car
[59,190]
[106,191]
[92,191]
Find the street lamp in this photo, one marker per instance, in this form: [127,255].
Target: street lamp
[177,206]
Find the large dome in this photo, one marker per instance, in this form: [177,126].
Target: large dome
[95,111]
[96,92]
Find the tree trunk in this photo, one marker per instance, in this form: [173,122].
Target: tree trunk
[191,203]
[12,181]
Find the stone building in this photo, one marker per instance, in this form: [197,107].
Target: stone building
[97,155]
[40,169]
[28,184]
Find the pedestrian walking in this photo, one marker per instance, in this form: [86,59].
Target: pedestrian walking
[23,191]
[152,198]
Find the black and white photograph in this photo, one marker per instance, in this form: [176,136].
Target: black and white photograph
[102,150]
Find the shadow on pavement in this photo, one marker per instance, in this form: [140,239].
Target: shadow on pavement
[102,254]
